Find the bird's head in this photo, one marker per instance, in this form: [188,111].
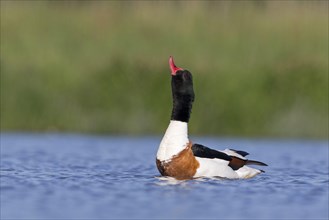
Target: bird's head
[181,82]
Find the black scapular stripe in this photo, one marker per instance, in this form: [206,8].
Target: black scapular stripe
[242,153]
[235,162]
[255,162]
[206,152]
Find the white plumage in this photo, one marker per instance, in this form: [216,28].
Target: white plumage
[174,140]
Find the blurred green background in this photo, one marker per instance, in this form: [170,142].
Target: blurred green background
[260,68]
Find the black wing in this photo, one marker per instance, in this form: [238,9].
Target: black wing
[242,153]
[206,152]
[235,162]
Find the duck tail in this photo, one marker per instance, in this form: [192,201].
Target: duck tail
[255,162]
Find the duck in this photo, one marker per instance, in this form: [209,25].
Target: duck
[178,157]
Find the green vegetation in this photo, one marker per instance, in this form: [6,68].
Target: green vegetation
[260,68]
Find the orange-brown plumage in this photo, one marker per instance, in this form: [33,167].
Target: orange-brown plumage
[181,166]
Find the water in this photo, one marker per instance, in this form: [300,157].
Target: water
[57,176]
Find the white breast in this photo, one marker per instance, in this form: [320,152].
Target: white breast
[174,141]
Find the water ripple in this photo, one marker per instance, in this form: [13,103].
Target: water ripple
[81,177]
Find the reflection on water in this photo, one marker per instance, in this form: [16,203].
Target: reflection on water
[73,176]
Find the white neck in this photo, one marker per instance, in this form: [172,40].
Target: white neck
[174,140]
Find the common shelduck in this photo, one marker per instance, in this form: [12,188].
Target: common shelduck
[178,157]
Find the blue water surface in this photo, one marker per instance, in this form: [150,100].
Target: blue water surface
[54,176]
